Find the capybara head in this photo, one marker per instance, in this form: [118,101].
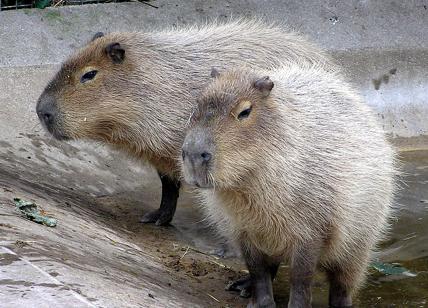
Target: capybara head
[227,128]
[88,95]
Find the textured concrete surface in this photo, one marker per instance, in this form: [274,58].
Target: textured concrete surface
[99,255]
[49,35]
[369,39]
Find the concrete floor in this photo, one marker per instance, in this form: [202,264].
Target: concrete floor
[99,255]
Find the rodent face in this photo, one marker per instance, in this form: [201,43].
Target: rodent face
[87,95]
[221,142]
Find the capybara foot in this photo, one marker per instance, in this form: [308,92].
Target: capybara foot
[242,285]
[158,217]
[265,302]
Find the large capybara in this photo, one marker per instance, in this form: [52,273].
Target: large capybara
[134,91]
[292,165]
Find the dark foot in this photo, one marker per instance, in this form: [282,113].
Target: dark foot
[340,301]
[340,295]
[343,306]
[260,267]
[242,285]
[158,217]
[266,302]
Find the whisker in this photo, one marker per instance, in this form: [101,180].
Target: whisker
[35,125]
[211,179]
[191,115]
[50,139]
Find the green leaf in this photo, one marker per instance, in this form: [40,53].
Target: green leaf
[391,269]
[30,211]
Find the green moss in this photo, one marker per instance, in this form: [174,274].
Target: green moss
[52,15]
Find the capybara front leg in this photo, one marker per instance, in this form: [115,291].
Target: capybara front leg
[260,269]
[303,265]
[343,281]
[165,213]
[243,284]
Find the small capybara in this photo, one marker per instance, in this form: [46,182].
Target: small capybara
[291,165]
[134,91]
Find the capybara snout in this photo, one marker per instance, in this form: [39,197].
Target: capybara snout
[47,111]
[198,154]
[50,116]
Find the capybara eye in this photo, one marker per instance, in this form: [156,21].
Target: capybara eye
[88,76]
[244,113]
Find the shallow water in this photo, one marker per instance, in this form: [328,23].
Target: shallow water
[406,245]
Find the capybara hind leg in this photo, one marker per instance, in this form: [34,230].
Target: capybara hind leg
[259,266]
[304,261]
[343,281]
[165,213]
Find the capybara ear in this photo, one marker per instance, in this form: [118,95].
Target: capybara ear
[97,35]
[116,52]
[264,85]
[214,72]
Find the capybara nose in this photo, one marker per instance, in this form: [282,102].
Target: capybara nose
[46,115]
[206,157]
[198,150]
[196,163]
[196,157]
[46,111]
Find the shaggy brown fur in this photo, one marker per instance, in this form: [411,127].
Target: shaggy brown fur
[142,94]
[300,172]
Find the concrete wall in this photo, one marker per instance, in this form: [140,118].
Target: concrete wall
[369,38]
